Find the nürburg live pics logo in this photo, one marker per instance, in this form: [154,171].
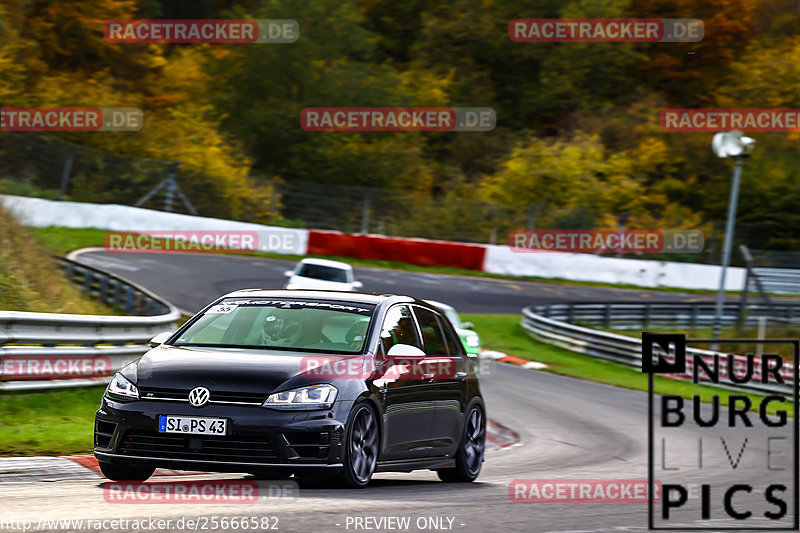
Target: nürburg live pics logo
[726,453]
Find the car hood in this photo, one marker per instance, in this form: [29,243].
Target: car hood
[220,369]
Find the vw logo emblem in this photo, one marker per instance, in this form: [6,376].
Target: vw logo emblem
[199,396]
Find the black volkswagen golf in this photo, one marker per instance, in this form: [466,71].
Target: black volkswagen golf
[315,384]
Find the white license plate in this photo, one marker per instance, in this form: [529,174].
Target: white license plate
[193,425]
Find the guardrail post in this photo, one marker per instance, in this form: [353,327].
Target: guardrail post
[693,321]
[130,294]
[648,309]
[87,280]
[103,288]
[570,313]
[607,317]
[115,294]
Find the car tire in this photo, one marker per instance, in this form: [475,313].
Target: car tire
[119,472]
[361,446]
[469,457]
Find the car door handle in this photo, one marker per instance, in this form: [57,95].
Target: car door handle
[428,377]
[461,375]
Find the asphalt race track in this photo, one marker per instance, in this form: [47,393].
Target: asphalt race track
[569,429]
[191,281]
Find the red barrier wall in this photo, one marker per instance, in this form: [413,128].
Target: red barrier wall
[414,251]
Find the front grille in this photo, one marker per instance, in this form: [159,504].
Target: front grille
[216,396]
[244,397]
[240,449]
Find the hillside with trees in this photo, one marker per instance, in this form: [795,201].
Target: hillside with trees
[577,142]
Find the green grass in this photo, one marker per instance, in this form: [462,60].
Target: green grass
[58,422]
[61,241]
[504,334]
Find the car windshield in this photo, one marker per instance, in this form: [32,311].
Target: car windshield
[325,273]
[291,325]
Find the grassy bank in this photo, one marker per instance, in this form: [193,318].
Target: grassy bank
[30,280]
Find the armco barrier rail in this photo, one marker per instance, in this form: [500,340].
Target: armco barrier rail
[80,350]
[679,314]
[550,323]
[778,280]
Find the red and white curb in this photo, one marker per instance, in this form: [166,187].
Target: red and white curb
[28,469]
[505,358]
[66,468]
[90,461]
[499,437]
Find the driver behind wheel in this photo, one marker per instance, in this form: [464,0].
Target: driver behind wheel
[279,332]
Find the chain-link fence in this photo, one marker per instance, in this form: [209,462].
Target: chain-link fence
[33,164]
[44,165]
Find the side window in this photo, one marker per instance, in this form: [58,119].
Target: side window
[431,332]
[398,328]
[453,343]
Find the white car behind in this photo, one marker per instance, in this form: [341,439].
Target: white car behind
[322,274]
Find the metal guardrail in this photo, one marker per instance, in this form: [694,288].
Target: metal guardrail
[551,324]
[778,280]
[680,314]
[80,349]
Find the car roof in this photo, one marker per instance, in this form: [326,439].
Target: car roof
[345,296]
[326,262]
[440,305]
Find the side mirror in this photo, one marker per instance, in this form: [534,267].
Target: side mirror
[467,325]
[288,273]
[160,338]
[357,285]
[405,353]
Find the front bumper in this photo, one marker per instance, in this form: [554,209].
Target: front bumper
[257,438]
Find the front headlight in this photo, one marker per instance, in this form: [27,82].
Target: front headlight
[121,388]
[312,397]
[473,341]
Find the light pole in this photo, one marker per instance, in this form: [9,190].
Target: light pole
[730,144]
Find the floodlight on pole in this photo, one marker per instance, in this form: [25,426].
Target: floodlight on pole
[729,144]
